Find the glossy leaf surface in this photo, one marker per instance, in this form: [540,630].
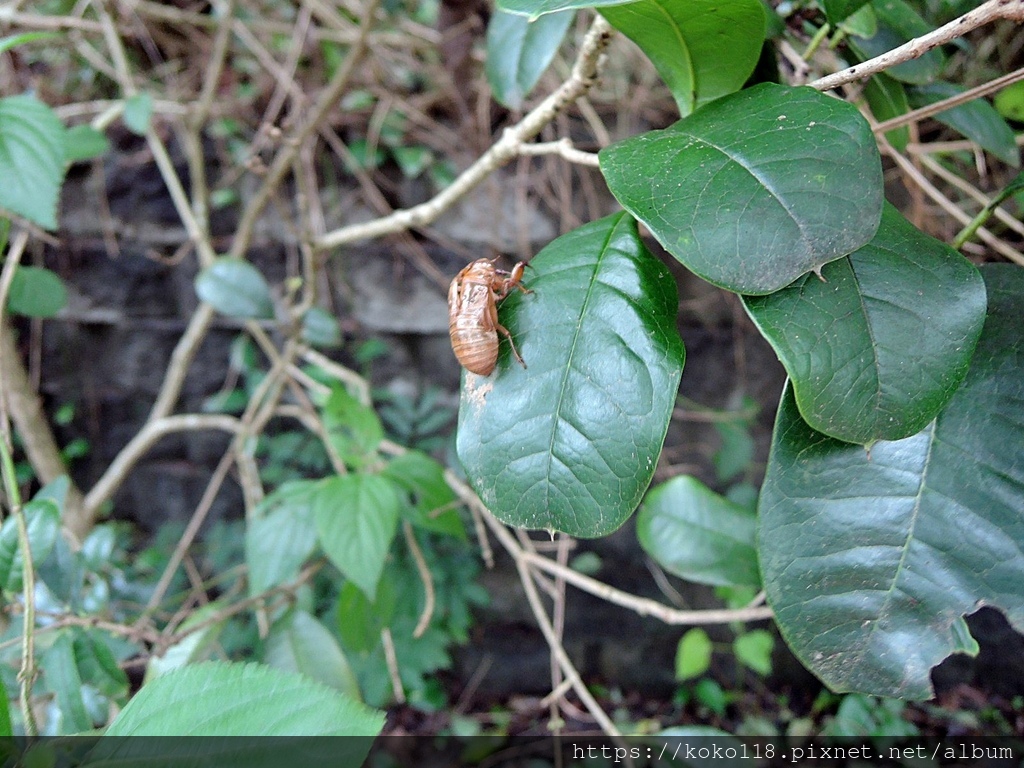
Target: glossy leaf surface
[871,560]
[698,535]
[877,348]
[519,50]
[570,442]
[703,49]
[756,188]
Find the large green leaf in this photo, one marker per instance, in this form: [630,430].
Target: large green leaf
[870,560]
[698,535]
[756,188]
[519,50]
[43,519]
[703,49]
[219,699]
[235,287]
[31,159]
[356,519]
[570,442]
[877,348]
[977,120]
[281,535]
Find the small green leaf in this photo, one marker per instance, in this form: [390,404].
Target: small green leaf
[83,142]
[36,292]
[703,49]
[878,346]
[220,699]
[753,649]
[693,654]
[138,111]
[736,453]
[321,329]
[888,99]
[756,188]
[353,429]
[976,119]
[31,159]
[281,535]
[300,643]
[235,288]
[97,665]
[63,679]
[870,559]
[519,50]
[570,442]
[43,517]
[1009,102]
[6,43]
[432,504]
[361,620]
[698,535]
[356,519]
[412,161]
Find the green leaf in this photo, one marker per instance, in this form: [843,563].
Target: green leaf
[36,292]
[412,161]
[5,712]
[356,519]
[97,665]
[536,8]
[756,188]
[703,49]
[888,99]
[138,110]
[6,43]
[235,288]
[83,142]
[361,620]
[570,442]
[281,535]
[220,699]
[63,679]
[837,10]
[31,159]
[870,559]
[321,329]
[753,649]
[432,501]
[878,347]
[519,50]
[1009,102]
[736,453]
[976,119]
[698,535]
[693,654]
[300,643]
[353,429]
[43,517]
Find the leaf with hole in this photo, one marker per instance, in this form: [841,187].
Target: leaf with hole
[519,50]
[877,348]
[703,49]
[235,288]
[31,159]
[356,519]
[694,533]
[870,560]
[36,292]
[570,442]
[756,188]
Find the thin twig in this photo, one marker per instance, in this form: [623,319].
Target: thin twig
[978,17]
[428,581]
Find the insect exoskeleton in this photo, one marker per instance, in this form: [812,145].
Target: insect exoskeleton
[473,313]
